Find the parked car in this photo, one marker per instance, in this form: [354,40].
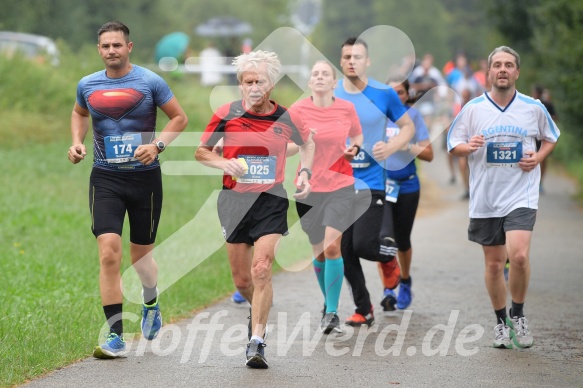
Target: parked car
[37,47]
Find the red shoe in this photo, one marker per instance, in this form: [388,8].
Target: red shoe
[359,319]
[391,274]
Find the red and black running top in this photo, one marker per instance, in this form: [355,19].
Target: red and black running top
[248,134]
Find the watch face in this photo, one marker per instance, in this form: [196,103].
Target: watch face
[160,145]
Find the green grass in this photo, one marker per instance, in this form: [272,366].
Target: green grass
[52,315]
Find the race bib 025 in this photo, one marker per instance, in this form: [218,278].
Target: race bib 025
[261,169]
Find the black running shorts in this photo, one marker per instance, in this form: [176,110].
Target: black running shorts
[319,210]
[492,231]
[112,194]
[245,217]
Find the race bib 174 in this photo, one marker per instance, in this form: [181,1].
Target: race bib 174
[121,148]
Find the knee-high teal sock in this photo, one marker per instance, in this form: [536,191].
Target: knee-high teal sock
[320,270]
[334,276]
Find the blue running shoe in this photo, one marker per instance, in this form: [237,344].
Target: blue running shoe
[238,298]
[506,269]
[389,300]
[405,297]
[151,321]
[113,347]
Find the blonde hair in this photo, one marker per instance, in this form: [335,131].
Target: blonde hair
[327,63]
[256,58]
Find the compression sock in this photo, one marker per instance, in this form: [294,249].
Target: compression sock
[320,270]
[113,314]
[334,277]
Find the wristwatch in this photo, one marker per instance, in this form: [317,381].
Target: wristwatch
[160,145]
[307,170]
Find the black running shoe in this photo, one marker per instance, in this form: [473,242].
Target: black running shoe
[330,323]
[389,300]
[255,355]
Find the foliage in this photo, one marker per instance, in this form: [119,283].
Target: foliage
[548,37]
[514,20]
[558,45]
[77,22]
[338,23]
[49,260]
[425,23]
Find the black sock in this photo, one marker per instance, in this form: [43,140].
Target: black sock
[406,281]
[113,316]
[516,310]
[501,315]
[150,295]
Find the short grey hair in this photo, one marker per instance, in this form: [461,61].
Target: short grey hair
[504,49]
[255,59]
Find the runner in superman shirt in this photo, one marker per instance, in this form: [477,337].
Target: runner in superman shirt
[122,101]
[253,204]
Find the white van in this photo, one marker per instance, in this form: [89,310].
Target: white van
[32,46]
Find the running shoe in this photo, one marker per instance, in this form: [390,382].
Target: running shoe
[113,347]
[389,300]
[519,332]
[330,323]
[405,296]
[506,269]
[151,321]
[502,337]
[391,273]
[255,355]
[323,311]
[359,319]
[238,298]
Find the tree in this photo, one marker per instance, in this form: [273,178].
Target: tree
[514,20]
[342,19]
[557,41]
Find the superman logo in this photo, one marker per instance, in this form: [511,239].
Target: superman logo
[115,103]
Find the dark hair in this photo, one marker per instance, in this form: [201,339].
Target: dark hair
[354,41]
[112,27]
[405,82]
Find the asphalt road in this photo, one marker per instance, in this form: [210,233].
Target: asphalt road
[444,340]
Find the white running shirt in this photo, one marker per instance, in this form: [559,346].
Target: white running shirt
[497,184]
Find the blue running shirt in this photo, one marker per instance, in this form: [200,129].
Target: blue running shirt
[401,165]
[123,112]
[374,105]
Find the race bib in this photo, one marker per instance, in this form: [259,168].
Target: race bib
[503,154]
[261,169]
[361,160]
[392,190]
[120,149]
